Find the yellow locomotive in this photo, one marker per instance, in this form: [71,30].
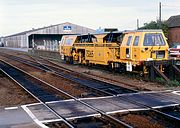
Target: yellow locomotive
[122,51]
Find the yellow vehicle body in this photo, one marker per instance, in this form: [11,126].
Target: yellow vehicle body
[98,51]
[66,45]
[144,50]
[127,49]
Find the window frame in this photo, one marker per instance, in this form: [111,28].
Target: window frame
[156,35]
[69,41]
[135,39]
[129,41]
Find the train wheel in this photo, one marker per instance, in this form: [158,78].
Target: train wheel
[141,74]
[71,60]
[122,68]
[87,63]
[64,58]
[110,67]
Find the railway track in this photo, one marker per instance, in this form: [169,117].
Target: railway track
[113,89]
[24,79]
[33,86]
[49,76]
[150,119]
[116,121]
[88,75]
[84,75]
[98,86]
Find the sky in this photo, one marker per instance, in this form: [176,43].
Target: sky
[21,15]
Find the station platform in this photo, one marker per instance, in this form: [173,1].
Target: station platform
[74,109]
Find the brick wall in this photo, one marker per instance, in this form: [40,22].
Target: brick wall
[174,35]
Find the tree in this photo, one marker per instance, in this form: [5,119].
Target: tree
[155,25]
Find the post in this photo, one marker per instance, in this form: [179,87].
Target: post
[151,71]
[137,24]
[33,45]
[159,14]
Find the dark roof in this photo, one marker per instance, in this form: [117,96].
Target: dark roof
[174,21]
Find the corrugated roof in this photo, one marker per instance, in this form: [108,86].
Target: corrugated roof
[32,30]
[174,21]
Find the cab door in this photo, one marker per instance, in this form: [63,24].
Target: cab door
[128,50]
[135,48]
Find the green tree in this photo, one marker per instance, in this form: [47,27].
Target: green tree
[155,25]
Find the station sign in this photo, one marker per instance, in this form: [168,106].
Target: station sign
[67,28]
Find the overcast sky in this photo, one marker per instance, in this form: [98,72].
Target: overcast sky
[21,15]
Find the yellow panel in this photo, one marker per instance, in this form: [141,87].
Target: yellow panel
[141,53]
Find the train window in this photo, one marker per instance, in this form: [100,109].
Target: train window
[86,39]
[154,40]
[129,40]
[136,41]
[69,41]
[94,40]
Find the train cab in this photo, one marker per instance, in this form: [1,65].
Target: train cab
[66,46]
[143,45]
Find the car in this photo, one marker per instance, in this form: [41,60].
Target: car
[175,51]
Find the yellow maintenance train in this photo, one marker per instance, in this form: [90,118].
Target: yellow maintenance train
[132,51]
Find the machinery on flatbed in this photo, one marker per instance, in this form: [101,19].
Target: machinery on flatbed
[142,51]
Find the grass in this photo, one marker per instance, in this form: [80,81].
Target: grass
[173,83]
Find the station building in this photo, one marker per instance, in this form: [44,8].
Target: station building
[174,29]
[48,36]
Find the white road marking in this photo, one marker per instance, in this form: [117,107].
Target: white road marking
[176,92]
[33,117]
[11,108]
